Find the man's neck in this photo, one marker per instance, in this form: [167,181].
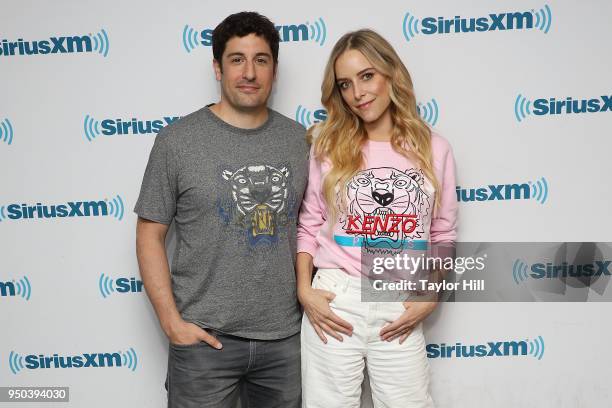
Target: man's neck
[248,119]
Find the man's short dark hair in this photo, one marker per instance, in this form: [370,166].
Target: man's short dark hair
[240,25]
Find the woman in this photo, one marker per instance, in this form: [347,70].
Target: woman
[373,158]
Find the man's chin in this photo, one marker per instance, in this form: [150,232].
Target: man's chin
[251,104]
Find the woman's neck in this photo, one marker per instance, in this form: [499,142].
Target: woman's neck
[381,129]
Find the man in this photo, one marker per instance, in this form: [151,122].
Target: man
[231,176]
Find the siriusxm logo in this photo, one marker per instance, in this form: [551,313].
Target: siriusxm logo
[308,118]
[111,127]
[21,288]
[428,111]
[103,208]
[537,191]
[94,43]
[551,106]
[119,359]
[534,348]
[315,32]
[522,271]
[520,20]
[6,131]
[108,286]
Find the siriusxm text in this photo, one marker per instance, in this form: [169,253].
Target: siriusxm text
[135,126]
[490,349]
[84,360]
[492,22]
[291,32]
[7,289]
[53,45]
[70,209]
[494,192]
[126,285]
[549,270]
[552,106]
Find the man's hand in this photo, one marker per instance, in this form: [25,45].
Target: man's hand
[184,333]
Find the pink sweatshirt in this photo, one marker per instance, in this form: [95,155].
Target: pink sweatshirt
[389,205]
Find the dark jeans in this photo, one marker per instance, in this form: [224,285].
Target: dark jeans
[266,373]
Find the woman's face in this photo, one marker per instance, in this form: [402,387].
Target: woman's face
[363,88]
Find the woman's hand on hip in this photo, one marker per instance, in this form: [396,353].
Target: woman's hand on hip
[401,327]
[324,321]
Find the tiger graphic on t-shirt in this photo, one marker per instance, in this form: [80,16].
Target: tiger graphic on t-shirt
[260,194]
[386,206]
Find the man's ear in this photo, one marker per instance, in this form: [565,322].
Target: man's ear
[218,69]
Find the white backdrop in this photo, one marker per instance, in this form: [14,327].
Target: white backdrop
[63,279]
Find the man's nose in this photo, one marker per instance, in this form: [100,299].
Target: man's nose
[249,71]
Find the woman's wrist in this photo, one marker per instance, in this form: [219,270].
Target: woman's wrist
[303,292]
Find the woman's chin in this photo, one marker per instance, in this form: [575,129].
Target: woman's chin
[369,119]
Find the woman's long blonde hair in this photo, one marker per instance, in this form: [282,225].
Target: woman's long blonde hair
[341,137]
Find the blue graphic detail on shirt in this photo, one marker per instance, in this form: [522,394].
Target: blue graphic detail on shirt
[355,241]
[259,204]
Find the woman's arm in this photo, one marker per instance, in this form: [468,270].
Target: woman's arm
[443,233]
[316,303]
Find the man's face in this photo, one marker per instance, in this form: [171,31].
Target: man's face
[246,73]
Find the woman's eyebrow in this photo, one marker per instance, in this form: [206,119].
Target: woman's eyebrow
[359,73]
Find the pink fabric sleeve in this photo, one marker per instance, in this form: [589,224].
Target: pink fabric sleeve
[312,212]
[444,224]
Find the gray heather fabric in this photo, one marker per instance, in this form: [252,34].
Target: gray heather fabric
[234,195]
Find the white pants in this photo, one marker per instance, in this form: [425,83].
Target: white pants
[332,373]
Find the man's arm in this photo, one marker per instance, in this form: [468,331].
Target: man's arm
[155,273]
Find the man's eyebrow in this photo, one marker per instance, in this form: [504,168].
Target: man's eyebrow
[235,54]
[359,73]
[241,54]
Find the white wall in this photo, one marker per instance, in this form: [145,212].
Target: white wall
[474,78]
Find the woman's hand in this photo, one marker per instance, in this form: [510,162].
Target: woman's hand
[414,314]
[316,305]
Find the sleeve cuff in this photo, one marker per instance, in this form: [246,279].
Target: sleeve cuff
[153,217]
[307,247]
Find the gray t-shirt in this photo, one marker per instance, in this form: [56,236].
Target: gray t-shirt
[234,195]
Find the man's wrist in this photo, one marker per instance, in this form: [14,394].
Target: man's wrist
[170,326]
